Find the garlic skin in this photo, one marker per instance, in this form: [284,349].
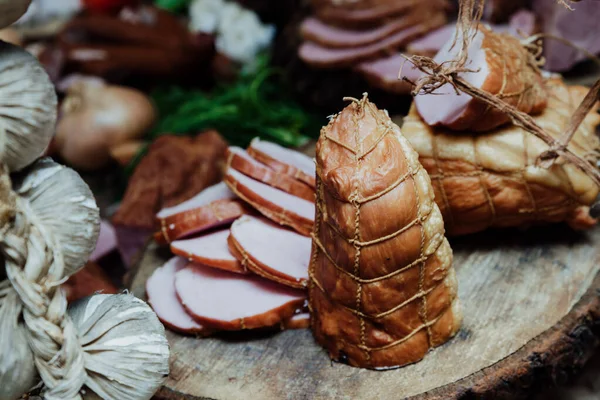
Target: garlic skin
[12,10]
[64,205]
[17,369]
[126,350]
[28,106]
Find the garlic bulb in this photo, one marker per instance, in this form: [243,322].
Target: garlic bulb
[17,369]
[28,105]
[126,350]
[64,205]
[11,11]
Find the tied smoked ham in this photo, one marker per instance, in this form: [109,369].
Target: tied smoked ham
[226,301]
[502,67]
[491,179]
[239,160]
[275,253]
[210,250]
[382,289]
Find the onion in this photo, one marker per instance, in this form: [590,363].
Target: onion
[97,117]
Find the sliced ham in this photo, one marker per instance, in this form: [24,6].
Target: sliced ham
[384,73]
[284,160]
[324,57]
[239,160]
[275,253]
[233,302]
[277,205]
[216,192]
[160,288]
[298,321]
[215,214]
[210,250]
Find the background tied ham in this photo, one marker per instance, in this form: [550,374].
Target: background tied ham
[235,237]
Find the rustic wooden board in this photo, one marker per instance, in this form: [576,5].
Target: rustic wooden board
[532,310]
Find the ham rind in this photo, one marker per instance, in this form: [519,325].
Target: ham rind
[210,250]
[226,301]
[277,205]
[270,251]
[500,66]
[239,160]
[216,192]
[298,321]
[324,57]
[384,73]
[160,289]
[213,215]
[284,160]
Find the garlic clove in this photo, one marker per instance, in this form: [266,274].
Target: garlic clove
[17,369]
[64,205]
[12,10]
[28,106]
[126,350]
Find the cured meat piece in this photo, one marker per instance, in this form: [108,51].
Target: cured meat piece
[283,160]
[215,214]
[239,160]
[491,180]
[220,191]
[274,204]
[382,288]
[383,73]
[503,68]
[298,321]
[233,302]
[210,250]
[324,57]
[160,289]
[89,280]
[270,251]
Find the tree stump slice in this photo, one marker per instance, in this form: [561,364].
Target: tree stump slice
[531,301]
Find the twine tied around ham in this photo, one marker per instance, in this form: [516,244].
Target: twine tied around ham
[437,75]
[35,268]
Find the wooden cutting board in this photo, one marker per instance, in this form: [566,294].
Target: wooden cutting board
[531,302]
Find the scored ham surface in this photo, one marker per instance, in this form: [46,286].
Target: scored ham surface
[212,215]
[227,301]
[241,161]
[384,73]
[382,288]
[210,250]
[325,57]
[275,253]
[216,192]
[502,67]
[160,289]
[274,204]
[283,160]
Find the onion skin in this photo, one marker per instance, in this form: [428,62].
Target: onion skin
[97,117]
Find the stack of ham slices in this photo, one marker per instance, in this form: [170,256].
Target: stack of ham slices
[247,235]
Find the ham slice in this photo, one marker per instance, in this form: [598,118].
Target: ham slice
[275,253]
[298,321]
[233,302]
[284,160]
[160,289]
[215,214]
[210,250]
[324,57]
[216,192]
[383,73]
[277,205]
[239,160]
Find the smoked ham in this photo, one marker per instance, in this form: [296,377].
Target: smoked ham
[210,250]
[491,180]
[382,289]
[283,160]
[383,73]
[501,66]
[239,160]
[270,251]
[227,301]
[220,191]
[160,289]
[298,321]
[275,204]
[212,215]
